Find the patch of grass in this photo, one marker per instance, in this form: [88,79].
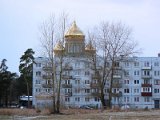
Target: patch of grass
[23,112]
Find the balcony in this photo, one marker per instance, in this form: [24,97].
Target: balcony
[146,76]
[146,90]
[117,67]
[95,94]
[46,85]
[117,94]
[47,76]
[117,85]
[147,68]
[146,93]
[68,94]
[47,68]
[97,67]
[146,85]
[67,85]
[94,85]
[66,77]
[67,68]
[95,77]
[118,76]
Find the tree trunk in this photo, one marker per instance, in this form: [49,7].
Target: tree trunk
[58,101]
[58,98]
[103,100]
[6,98]
[53,90]
[110,89]
[59,87]
[110,98]
[54,105]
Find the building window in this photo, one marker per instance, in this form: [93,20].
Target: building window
[136,99]
[95,90]
[146,73]
[96,99]
[156,64]
[95,81]
[126,81]
[48,82]
[87,90]
[126,73]
[116,64]
[115,90]
[66,73]
[48,90]
[146,99]
[136,81]
[38,90]
[38,73]
[136,72]
[86,65]
[77,99]
[146,64]
[157,82]
[147,81]
[126,99]
[156,90]
[114,98]
[87,99]
[136,64]
[70,50]
[126,90]
[87,73]
[77,81]
[67,90]
[87,82]
[38,82]
[146,89]
[136,90]
[105,90]
[156,73]
[126,64]
[77,64]
[77,72]
[38,64]
[77,90]
[67,99]
[67,82]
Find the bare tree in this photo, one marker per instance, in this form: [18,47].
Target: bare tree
[113,40]
[48,40]
[52,36]
[60,55]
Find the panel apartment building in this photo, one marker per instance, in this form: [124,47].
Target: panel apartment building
[136,84]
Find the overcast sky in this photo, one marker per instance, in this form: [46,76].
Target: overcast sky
[20,21]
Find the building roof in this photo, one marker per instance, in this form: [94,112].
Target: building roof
[74,31]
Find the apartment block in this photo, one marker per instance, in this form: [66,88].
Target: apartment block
[136,80]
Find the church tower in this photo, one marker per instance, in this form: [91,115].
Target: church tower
[74,41]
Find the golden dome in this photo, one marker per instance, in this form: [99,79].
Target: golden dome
[58,46]
[74,31]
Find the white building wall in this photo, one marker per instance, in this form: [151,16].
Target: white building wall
[134,98]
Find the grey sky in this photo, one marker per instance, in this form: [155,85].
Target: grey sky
[20,20]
